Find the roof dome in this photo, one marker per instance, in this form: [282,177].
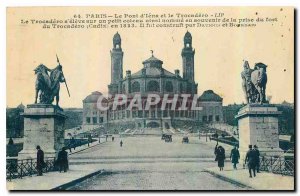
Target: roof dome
[93,98]
[152,59]
[187,37]
[187,34]
[117,38]
[153,62]
[21,106]
[209,95]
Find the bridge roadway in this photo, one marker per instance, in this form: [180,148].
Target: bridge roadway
[148,163]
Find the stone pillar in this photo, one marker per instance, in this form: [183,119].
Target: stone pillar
[258,125]
[43,126]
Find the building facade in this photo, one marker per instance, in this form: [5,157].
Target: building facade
[152,78]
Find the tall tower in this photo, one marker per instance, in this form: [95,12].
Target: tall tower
[188,54]
[116,64]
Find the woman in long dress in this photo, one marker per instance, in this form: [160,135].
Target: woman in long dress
[220,157]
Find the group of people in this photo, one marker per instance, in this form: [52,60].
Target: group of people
[61,161]
[220,156]
[252,158]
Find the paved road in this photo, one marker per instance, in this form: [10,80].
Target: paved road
[148,163]
[151,146]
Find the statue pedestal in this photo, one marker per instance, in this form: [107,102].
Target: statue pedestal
[43,126]
[258,125]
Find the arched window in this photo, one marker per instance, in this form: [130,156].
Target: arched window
[153,86]
[169,86]
[135,87]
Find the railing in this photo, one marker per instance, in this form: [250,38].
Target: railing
[27,167]
[278,165]
[225,141]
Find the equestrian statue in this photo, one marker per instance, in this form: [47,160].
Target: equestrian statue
[47,86]
[254,83]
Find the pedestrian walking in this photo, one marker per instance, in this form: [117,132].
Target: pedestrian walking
[73,143]
[62,160]
[257,154]
[112,138]
[220,157]
[89,139]
[10,141]
[250,158]
[235,156]
[121,143]
[40,163]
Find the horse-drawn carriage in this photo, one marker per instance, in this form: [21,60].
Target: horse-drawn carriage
[185,139]
[168,138]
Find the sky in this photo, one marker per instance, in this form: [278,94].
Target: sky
[85,54]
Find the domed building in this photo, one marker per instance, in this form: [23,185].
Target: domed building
[211,104]
[152,78]
[92,116]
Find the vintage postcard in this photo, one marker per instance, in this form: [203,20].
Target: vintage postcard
[150,98]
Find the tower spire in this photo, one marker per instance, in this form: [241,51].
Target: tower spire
[116,64]
[188,54]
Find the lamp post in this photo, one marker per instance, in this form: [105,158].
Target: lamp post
[161,125]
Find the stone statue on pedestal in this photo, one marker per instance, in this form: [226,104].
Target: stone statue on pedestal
[257,122]
[44,122]
[254,83]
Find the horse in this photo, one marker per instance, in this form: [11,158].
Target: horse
[48,86]
[42,83]
[259,80]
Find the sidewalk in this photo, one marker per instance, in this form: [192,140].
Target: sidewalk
[262,181]
[54,180]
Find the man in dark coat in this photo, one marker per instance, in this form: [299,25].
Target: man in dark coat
[73,143]
[257,154]
[250,158]
[39,161]
[89,139]
[235,156]
[62,160]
